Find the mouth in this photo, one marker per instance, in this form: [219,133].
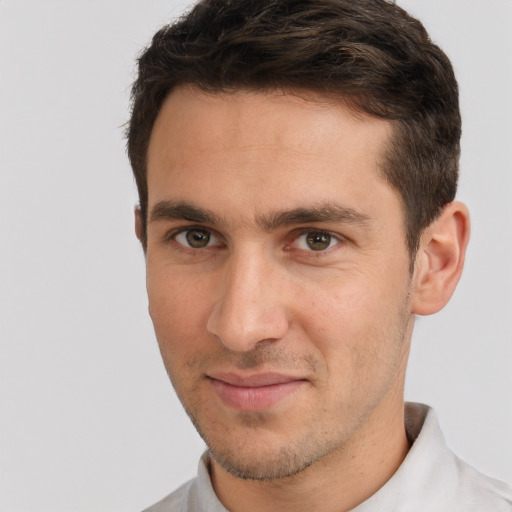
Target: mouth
[254,393]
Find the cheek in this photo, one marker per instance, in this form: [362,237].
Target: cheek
[356,328]
[336,311]
[178,311]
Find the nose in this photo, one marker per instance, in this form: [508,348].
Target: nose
[251,305]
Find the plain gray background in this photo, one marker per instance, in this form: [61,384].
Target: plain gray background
[88,420]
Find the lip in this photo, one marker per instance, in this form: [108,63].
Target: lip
[252,393]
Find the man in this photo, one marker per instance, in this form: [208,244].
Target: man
[297,166]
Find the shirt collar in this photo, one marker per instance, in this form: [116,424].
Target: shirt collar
[428,473]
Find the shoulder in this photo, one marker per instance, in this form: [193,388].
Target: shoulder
[197,495]
[476,491]
[178,501]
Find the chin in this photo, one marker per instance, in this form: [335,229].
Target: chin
[284,463]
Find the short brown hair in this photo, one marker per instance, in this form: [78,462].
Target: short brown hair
[369,53]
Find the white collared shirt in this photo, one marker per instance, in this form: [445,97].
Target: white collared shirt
[430,479]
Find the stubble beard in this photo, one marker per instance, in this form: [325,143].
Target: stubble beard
[229,451]
[283,459]
[289,460]
[295,456]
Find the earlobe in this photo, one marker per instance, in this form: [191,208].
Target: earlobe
[440,259]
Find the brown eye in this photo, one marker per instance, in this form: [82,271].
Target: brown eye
[196,238]
[318,241]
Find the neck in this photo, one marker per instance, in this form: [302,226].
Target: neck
[338,482]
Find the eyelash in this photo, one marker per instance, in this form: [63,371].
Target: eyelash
[294,237]
[171,237]
[318,232]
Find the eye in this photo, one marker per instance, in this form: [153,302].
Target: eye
[316,241]
[196,238]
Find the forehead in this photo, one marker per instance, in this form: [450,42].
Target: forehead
[273,149]
[301,120]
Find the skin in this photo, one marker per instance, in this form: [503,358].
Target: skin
[298,268]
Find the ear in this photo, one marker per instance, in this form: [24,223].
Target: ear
[440,259]
[139,226]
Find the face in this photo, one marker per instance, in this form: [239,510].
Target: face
[277,274]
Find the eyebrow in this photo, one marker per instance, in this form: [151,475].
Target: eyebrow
[170,210]
[321,213]
[328,212]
